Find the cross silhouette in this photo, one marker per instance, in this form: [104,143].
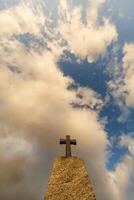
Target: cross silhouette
[68,143]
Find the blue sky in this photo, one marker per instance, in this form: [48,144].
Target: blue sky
[67,66]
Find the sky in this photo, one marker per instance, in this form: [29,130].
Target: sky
[66,67]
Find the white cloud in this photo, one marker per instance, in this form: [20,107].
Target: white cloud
[123,81]
[88,97]
[93,10]
[85,39]
[21,19]
[123,174]
[116,85]
[128,63]
[128,141]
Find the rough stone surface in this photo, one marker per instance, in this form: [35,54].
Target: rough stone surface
[69,181]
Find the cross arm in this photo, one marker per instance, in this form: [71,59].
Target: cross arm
[62,141]
[73,142]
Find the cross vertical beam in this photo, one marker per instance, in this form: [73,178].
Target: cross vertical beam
[68,143]
[68,146]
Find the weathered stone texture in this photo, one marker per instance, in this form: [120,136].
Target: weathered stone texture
[69,181]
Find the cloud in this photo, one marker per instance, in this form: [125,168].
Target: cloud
[121,86]
[20,19]
[22,167]
[93,10]
[128,142]
[88,98]
[116,84]
[123,175]
[36,104]
[86,40]
[128,63]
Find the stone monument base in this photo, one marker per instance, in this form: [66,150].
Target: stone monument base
[69,181]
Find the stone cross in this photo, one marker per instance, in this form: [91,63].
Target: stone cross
[68,143]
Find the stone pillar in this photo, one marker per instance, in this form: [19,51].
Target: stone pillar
[69,181]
